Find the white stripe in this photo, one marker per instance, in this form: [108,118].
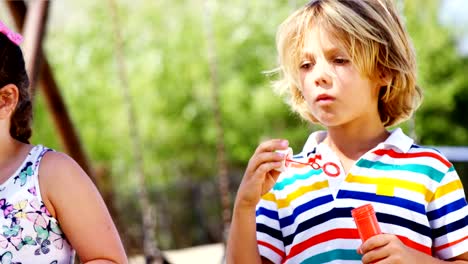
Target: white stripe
[449,218]
[405,232]
[298,183]
[304,198]
[270,205]
[411,196]
[425,160]
[401,212]
[344,261]
[404,175]
[452,236]
[445,200]
[326,246]
[454,251]
[321,228]
[450,177]
[270,240]
[359,187]
[268,222]
[313,212]
[269,254]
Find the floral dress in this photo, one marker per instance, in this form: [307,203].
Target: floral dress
[28,232]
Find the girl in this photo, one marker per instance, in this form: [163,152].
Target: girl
[349,65]
[49,206]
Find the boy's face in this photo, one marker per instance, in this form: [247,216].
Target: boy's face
[336,93]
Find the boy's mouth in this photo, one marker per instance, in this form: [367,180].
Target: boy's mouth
[324,97]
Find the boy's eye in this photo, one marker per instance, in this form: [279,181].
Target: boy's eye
[306,65]
[340,61]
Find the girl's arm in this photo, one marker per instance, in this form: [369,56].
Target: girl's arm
[71,197]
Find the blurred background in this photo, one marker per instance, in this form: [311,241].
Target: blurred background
[187,82]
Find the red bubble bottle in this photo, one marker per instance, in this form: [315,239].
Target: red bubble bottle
[366,221]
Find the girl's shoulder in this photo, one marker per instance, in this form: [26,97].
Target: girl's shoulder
[58,170]
[59,174]
[55,162]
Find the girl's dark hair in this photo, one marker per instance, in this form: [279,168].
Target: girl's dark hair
[13,71]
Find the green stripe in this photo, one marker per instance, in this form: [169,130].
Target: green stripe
[337,254]
[434,174]
[288,181]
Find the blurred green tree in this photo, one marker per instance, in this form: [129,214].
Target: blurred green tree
[165,49]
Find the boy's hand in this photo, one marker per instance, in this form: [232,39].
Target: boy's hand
[260,175]
[387,248]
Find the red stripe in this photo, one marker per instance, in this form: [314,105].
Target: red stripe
[344,233]
[273,248]
[451,244]
[347,233]
[425,154]
[415,245]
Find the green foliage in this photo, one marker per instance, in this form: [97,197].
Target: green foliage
[165,52]
[442,75]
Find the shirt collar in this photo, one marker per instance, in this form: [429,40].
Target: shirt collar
[397,139]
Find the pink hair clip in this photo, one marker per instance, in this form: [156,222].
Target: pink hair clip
[13,36]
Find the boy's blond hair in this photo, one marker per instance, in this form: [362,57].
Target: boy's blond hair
[373,35]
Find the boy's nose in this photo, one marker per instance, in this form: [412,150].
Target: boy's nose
[322,74]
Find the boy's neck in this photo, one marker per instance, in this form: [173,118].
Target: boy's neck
[353,141]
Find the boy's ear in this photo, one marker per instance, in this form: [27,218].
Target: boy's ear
[385,78]
[9,95]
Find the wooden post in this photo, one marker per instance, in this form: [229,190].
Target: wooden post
[150,247]
[218,119]
[68,136]
[33,33]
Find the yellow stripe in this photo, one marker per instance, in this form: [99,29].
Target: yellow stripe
[448,188]
[269,197]
[281,203]
[386,190]
[383,184]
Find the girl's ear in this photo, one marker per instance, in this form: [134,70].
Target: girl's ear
[8,100]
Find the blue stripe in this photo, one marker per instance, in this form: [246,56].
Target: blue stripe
[319,219]
[451,207]
[288,181]
[311,152]
[446,229]
[396,220]
[270,231]
[396,201]
[346,212]
[337,254]
[434,174]
[268,213]
[289,220]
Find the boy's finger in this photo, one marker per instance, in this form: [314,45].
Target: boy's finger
[265,157]
[264,168]
[272,145]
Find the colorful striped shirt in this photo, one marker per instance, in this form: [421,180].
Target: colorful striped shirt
[415,191]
